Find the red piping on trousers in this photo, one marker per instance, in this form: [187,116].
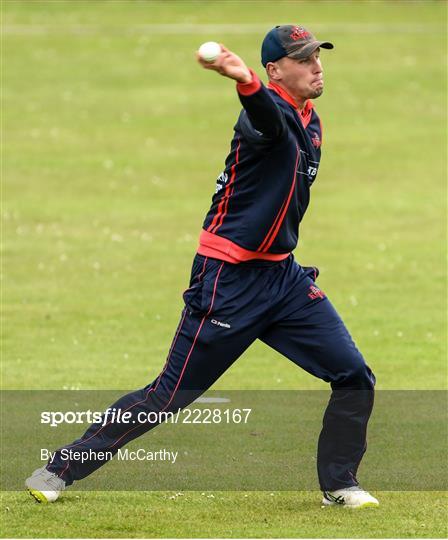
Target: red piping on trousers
[200,275]
[187,358]
[224,202]
[197,333]
[152,389]
[169,355]
[282,212]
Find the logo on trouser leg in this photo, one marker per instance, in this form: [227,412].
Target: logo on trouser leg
[315,292]
[219,323]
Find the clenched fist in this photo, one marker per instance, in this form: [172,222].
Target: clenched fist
[229,65]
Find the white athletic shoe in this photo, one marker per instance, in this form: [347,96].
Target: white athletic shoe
[44,486]
[352,497]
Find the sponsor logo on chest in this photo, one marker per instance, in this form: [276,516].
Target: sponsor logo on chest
[315,139]
[315,293]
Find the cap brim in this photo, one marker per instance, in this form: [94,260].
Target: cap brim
[309,48]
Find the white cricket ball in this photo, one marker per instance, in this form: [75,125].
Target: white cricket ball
[210,51]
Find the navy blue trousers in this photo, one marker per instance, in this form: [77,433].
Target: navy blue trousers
[228,307]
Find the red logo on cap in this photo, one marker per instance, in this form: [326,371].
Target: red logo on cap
[299,33]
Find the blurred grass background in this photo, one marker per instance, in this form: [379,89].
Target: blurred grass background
[114,138]
[112,141]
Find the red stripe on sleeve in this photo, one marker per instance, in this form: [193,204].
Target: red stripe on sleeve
[247,89]
[224,202]
[270,237]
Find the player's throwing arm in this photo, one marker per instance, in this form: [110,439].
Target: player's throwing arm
[218,58]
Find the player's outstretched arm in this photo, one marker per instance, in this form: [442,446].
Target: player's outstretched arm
[229,65]
[262,122]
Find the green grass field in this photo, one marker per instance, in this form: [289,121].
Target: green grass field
[112,140]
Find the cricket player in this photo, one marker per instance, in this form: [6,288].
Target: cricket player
[245,283]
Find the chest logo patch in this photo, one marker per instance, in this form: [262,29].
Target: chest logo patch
[315,139]
[315,293]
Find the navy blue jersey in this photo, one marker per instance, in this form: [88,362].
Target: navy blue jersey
[264,190]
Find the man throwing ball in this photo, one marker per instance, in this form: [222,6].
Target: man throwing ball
[245,284]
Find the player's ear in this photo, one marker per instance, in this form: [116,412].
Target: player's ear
[273,71]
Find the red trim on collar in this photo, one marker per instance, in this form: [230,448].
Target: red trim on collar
[304,114]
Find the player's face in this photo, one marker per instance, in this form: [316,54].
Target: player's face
[302,78]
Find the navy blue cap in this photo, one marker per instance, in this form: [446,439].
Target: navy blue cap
[290,40]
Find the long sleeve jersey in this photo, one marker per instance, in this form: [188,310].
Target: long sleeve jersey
[264,190]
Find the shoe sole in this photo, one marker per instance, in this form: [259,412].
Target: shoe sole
[365,505]
[38,495]
[352,507]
